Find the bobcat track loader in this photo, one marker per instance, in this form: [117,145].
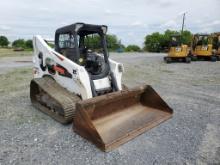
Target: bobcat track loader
[78,82]
[178,51]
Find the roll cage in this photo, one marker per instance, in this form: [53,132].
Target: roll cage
[74,43]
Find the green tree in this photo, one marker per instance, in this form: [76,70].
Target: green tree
[29,44]
[187,37]
[4,41]
[113,42]
[20,43]
[94,41]
[132,48]
[166,37]
[153,42]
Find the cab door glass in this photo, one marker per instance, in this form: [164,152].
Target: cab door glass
[66,41]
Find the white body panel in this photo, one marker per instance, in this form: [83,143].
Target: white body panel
[79,83]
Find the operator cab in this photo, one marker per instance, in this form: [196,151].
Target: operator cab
[201,40]
[175,40]
[85,45]
[216,40]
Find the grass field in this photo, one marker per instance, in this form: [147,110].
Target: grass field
[11,53]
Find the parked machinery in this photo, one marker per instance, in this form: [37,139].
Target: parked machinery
[177,50]
[201,47]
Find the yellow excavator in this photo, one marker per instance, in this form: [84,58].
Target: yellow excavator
[177,51]
[201,48]
[216,44]
[76,83]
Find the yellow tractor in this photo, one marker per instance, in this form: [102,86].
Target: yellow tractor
[201,48]
[216,44]
[177,51]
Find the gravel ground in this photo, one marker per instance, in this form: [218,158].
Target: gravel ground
[9,63]
[192,136]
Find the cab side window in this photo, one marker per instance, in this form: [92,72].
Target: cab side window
[66,41]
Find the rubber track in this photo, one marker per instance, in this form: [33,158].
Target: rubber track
[58,94]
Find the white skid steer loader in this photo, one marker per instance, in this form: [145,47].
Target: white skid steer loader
[78,82]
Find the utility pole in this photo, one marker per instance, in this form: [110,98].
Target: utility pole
[183,23]
[181,35]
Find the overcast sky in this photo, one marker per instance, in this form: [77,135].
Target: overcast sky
[130,20]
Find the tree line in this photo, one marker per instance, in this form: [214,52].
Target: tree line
[113,44]
[19,43]
[155,42]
